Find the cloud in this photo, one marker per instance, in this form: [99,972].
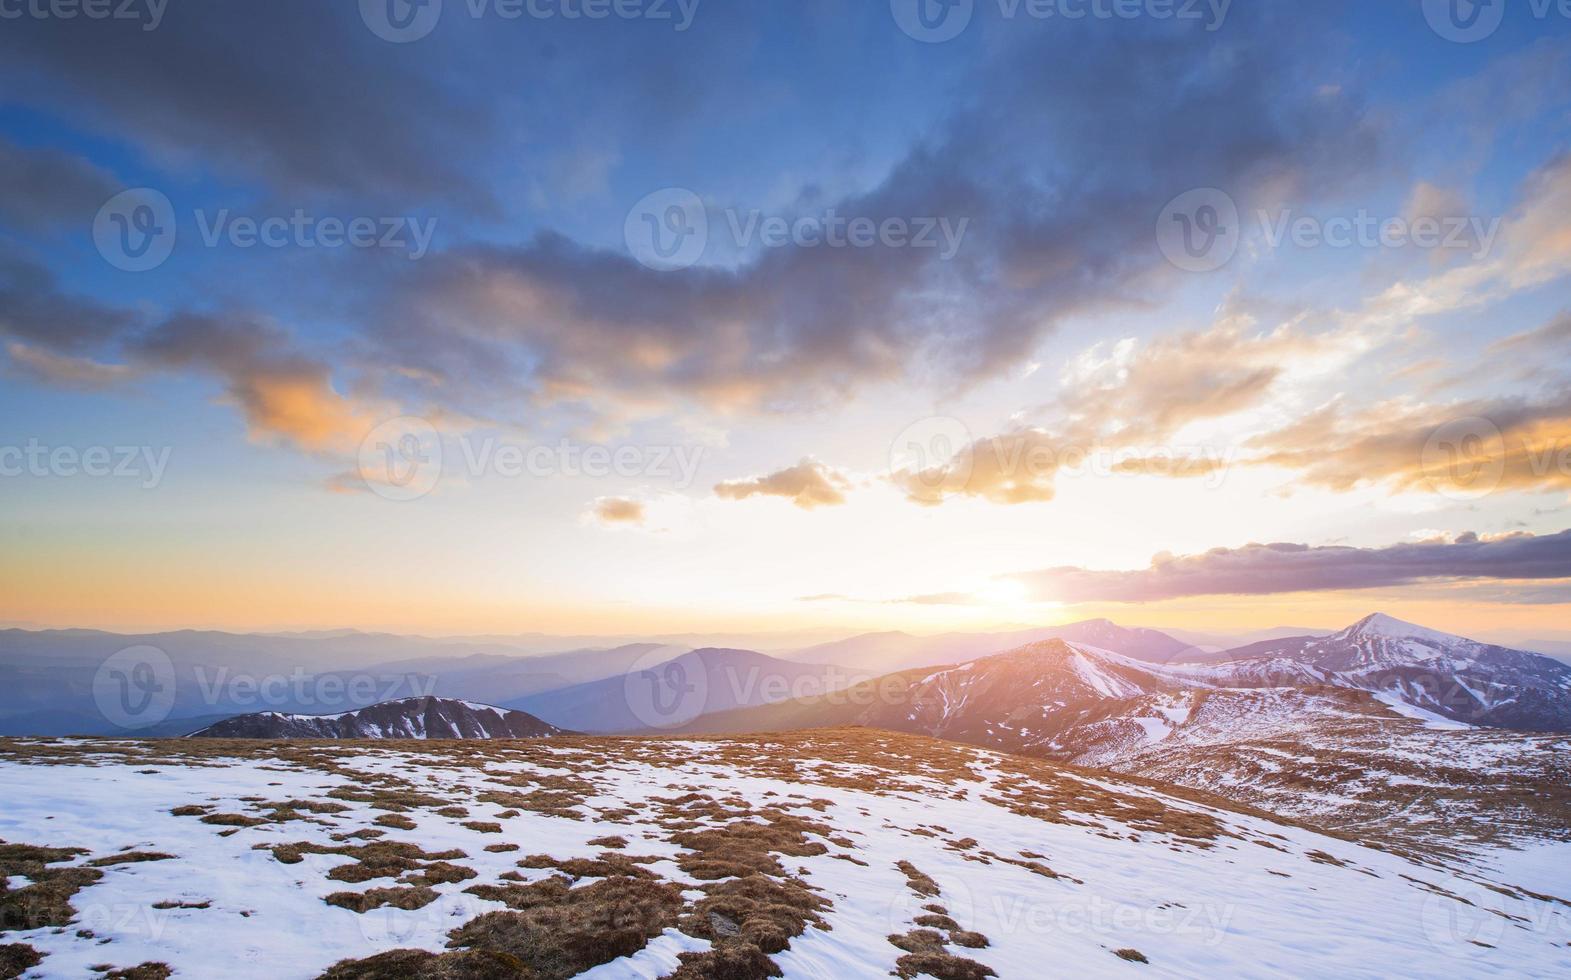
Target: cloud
[1469,447]
[1550,338]
[618,510]
[282,393]
[554,321]
[808,484]
[272,81]
[45,188]
[34,309]
[1268,569]
[66,371]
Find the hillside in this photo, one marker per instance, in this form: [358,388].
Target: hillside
[845,853]
[1346,729]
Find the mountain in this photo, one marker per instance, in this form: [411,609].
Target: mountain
[670,693]
[843,853]
[1345,728]
[894,651]
[409,718]
[1423,669]
[57,682]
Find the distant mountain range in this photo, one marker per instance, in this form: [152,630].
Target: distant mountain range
[1047,688]
[671,693]
[405,718]
[51,682]
[894,651]
[1342,727]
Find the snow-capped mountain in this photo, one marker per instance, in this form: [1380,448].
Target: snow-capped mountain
[1347,728]
[415,718]
[1407,665]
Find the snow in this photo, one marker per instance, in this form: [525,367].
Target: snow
[1429,718]
[1391,628]
[1195,911]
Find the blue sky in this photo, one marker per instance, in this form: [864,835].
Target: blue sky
[1315,377]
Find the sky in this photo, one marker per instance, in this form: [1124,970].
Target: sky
[647,316]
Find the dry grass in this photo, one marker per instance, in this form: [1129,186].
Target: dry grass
[46,900]
[146,971]
[17,958]
[558,931]
[376,898]
[130,857]
[727,961]
[417,964]
[925,956]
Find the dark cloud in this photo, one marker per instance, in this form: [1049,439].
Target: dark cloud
[1048,235]
[296,93]
[45,188]
[1267,569]
[33,308]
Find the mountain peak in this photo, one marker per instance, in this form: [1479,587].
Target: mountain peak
[1379,624]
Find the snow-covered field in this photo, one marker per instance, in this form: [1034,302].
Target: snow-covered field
[1062,872]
